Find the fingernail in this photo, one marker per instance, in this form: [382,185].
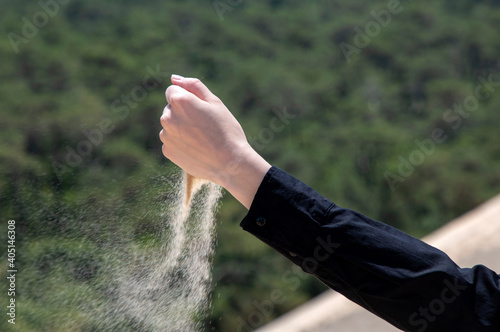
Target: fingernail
[177,77]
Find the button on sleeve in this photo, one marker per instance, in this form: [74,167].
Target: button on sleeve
[261,221]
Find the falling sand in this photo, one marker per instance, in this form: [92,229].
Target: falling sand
[193,184]
[168,290]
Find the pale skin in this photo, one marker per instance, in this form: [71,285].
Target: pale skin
[201,136]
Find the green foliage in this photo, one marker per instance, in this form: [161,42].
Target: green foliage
[353,122]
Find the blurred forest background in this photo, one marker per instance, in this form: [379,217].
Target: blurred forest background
[358,130]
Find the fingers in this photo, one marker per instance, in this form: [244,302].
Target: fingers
[195,86]
[176,95]
[166,148]
[166,116]
[180,98]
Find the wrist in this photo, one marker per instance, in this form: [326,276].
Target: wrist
[243,174]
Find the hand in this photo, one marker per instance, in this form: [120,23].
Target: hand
[202,137]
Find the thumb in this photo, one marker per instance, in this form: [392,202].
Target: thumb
[193,85]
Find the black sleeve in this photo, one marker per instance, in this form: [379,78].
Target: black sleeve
[406,282]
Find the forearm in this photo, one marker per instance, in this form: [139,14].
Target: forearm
[386,271]
[243,176]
